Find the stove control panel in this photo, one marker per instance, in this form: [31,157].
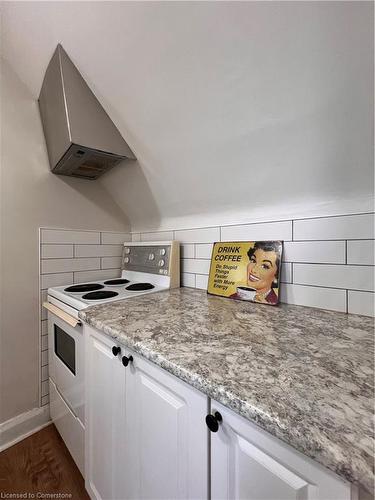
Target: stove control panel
[155,258]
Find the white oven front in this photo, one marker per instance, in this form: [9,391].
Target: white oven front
[66,362]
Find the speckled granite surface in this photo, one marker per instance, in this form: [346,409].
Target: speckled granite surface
[304,375]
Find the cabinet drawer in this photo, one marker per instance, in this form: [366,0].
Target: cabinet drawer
[68,425]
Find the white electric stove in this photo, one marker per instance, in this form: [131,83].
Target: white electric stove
[147,267]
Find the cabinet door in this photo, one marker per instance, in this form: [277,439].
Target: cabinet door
[166,439]
[248,463]
[104,394]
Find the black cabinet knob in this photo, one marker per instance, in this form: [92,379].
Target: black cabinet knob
[116,350]
[212,421]
[126,361]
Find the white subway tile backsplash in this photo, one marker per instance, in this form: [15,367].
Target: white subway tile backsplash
[348,227]
[64,265]
[44,342]
[56,251]
[316,252]
[108,238]
[111,262]
[187,251]
[188,279]
[361,303]
[334,276]
[259,231]
[43,298]
[44,327]
[45,400]
[311,296]
[286,272]
[44,358]
[83,276]
[205,235]
[199,266]
[361,252]
[44,373]
[98,250]
[66,236]
[203,251]
[48,280]
[157,236]
[201,281]
[318,257]
[45,388]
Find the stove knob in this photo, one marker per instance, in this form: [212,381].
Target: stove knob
[162,251]
[127,250]
[126,259]
[161,262]
[151,256]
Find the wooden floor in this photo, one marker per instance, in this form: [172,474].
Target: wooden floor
[41,463]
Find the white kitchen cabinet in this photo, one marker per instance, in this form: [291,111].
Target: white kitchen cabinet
[248,463]
[146,433]
[166,438]
[105,388]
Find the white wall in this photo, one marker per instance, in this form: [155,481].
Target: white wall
[237,111]
[31,197]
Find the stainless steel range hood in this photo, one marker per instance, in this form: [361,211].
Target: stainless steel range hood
[82,140]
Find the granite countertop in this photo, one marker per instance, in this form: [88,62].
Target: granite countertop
[304,375]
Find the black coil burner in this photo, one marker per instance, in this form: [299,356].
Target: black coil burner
[137,287]
[103,294]
[85,287]
[120,281]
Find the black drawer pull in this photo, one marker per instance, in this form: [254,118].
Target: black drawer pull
[116,350]
[126,361]
[212,421]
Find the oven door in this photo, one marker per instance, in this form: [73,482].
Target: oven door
[66,362]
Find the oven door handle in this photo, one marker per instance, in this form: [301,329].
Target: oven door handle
[62,314]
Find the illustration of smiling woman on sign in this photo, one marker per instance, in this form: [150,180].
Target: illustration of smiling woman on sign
[246,270]
[262,273]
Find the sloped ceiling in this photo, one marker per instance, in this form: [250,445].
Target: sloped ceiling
[235,111]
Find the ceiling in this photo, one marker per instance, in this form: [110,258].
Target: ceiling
[235,110]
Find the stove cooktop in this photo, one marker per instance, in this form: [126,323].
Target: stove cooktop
[106,293]
[132,285]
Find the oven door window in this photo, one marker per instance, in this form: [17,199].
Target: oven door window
[65,347]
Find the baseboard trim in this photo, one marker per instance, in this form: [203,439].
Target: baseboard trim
[22,426]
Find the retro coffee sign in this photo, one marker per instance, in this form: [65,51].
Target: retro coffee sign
[246,270]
